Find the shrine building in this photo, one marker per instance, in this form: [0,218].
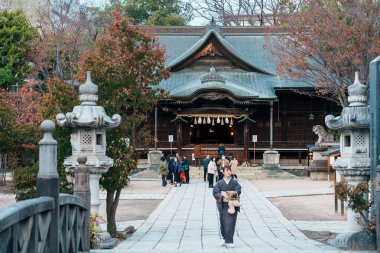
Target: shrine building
[224,88]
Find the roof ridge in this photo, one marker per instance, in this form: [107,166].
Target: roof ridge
[224,43]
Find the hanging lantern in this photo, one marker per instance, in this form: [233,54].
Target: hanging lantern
[222,122]
[204,120]
[199,120]
[213,121]
[208,120]
[195,120]
[218,120]
[226,120]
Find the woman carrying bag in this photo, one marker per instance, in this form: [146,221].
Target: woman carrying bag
[163,170]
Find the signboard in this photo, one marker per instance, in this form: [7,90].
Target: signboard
[171,138]
[254,138]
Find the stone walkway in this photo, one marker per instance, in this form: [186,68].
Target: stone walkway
[187,221]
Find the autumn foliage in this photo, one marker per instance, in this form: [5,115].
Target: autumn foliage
[125,63]
[327,42]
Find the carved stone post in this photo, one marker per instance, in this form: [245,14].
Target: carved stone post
[377,204]
[48,180]
[88,138]
[374,76]
[82,189]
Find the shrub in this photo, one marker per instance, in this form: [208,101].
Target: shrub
[357,202]
[25,182]
[94,230]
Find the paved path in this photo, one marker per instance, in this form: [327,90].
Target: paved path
[187,221]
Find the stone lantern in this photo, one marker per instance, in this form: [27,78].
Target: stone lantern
[88,138]
[353,124]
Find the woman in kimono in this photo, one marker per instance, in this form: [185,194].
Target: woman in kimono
[227,220]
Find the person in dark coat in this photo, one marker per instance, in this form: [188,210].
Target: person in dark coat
[186,167]
[171,170]
[205,166]
[221,150]
[177,170]
[227,220]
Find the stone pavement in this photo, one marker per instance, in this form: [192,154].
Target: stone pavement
[187,221]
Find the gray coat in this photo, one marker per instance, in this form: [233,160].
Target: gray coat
[227,221]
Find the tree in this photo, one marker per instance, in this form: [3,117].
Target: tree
[125,62]
[163,12]
[20,116]
[247,12]
[63,30]
[23,112]
[327,42]
[16,36]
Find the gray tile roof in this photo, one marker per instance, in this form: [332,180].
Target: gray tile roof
[248,47]
[244,84]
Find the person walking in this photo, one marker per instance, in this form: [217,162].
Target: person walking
[171,164]
[163,170]
[205,166]
[223,162]
[211,172]
[221,150]
[198,155]
[233,165]
[219,173]
[177,170]
[227,219]
[186,167]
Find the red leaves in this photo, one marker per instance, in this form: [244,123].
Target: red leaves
[26,103]
[328,42]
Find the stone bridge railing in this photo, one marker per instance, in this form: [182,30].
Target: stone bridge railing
[24,226]
[72,223]
[52,222]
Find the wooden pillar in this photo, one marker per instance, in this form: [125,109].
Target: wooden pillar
[179,137]
[299,158]
[271,125]
[246,142]
[284,123]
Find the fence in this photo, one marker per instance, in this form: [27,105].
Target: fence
[52,222]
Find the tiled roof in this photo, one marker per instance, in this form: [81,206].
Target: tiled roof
[247,47]
[243,84]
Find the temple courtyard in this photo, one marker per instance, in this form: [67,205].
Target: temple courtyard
[279,214]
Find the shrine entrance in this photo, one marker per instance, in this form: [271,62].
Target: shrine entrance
[208,133]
